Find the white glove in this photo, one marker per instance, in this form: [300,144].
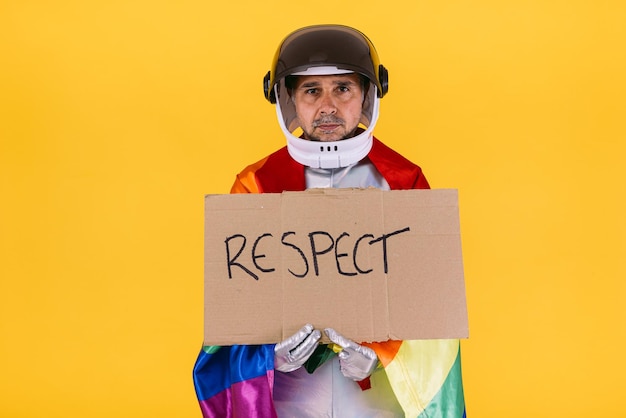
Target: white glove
[292,353]
[356,362]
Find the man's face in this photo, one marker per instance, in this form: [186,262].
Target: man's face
[328,106]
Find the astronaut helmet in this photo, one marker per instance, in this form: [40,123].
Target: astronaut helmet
[326,50]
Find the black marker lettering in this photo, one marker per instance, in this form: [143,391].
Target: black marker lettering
[231,261]
[338,255]
[255,256]
[295,247]
[383,238]
[356,249]
[314,250]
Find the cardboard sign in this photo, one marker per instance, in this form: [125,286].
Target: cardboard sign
[374,265]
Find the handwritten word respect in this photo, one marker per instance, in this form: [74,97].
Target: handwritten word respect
[319,243]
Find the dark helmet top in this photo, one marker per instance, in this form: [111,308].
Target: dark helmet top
[326,45]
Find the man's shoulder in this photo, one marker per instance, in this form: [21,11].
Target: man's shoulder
[399,171]
[278,157]
[273,174]
[381,151]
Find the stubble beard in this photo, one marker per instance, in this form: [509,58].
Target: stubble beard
[309,135]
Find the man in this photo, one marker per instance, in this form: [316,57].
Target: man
[326,82]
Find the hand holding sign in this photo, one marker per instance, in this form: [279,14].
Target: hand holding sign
[292,353]
[356,361]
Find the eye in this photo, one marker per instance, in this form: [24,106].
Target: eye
[310,91]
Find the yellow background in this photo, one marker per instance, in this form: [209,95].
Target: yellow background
[116,117]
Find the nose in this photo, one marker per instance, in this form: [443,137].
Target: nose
[327,104]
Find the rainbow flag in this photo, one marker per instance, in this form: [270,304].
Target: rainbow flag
[235,381]
[425,375]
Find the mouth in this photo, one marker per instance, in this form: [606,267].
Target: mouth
[328,128]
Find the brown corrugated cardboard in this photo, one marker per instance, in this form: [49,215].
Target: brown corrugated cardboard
[375,265]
